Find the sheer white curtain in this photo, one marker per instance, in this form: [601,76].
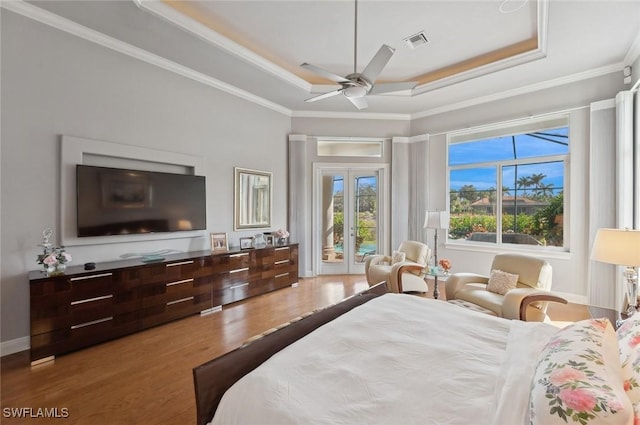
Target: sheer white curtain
[299,201]
[602,197]
[408,188]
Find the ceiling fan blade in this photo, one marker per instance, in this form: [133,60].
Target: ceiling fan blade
[324,95]
[359,102]
[323,73]
[391,87]
[378,62]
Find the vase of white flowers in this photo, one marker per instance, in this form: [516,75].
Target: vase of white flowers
[53,258]
[282,236]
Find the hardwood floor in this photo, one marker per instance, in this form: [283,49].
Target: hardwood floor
[146,378]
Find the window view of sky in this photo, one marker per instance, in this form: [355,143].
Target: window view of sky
[539,144]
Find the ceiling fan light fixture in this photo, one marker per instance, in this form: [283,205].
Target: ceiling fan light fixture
[355,91]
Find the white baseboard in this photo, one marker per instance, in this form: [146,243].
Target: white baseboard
[14,346]
[572,298]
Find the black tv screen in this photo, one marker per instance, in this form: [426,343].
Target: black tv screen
[113,201]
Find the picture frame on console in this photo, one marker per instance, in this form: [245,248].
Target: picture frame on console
[219,242]
[245,243]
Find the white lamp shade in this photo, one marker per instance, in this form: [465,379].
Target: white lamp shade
[617,246]
[436,220]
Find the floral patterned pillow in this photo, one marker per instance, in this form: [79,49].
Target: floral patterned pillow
[578,378]
[502,282]
[629,347]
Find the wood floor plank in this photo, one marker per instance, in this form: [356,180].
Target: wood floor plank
[146,378]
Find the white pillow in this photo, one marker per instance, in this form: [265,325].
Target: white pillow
[502,282]
[578,378]
[398,257]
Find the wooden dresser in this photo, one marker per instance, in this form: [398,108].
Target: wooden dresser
[84,307]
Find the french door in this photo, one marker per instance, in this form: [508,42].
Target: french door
[348,220]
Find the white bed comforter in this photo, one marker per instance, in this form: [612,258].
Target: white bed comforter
[398,359]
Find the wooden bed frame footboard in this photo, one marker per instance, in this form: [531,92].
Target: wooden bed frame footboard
[213,378]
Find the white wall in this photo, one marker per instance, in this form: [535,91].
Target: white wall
[53,84]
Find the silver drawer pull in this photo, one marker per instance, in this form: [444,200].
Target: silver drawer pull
[93,322]
[179,282]
[282,275]
[93,276]
[88,300]
[239,270]
[242,285]
[281,262]
[283,248]
[182,263]
[181,300]
[243,254]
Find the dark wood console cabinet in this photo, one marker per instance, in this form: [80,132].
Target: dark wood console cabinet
[80,307]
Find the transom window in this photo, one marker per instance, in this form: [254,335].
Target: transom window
[530,166]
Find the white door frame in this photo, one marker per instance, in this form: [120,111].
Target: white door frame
[384,207]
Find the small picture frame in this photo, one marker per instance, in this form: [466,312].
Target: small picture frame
[219,242]
[245,243]
[268,237]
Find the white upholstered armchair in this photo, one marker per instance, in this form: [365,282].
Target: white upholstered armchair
[528,299]
[401,276]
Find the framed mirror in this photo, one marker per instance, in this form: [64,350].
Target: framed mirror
[252,203]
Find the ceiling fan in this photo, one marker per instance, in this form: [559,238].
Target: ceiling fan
[356,86]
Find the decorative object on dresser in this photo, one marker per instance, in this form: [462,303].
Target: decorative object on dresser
[282,236]
[259,241]
[219,242]
[269,239]
[54,258]
[246,243]
[621,247]
[80,308]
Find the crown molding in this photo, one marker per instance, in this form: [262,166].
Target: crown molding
[45,17]
[211,36]
[573,78]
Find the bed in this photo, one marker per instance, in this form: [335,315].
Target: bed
[383,358]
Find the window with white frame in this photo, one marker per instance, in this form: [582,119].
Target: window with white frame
[529,163]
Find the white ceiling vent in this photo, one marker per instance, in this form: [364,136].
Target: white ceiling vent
[416,40]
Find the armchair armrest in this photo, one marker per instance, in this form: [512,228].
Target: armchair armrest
[456,281]
[517,300]
[405,267]
[537,297]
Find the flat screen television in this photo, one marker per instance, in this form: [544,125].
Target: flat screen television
[113,201]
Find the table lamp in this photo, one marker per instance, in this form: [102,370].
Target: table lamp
[436,220]
[621,247]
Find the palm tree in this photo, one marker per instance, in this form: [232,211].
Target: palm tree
[545,190]
[535,180]
[523,182]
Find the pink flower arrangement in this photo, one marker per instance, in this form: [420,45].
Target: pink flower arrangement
[54,256]
[281,233]
[445,264]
